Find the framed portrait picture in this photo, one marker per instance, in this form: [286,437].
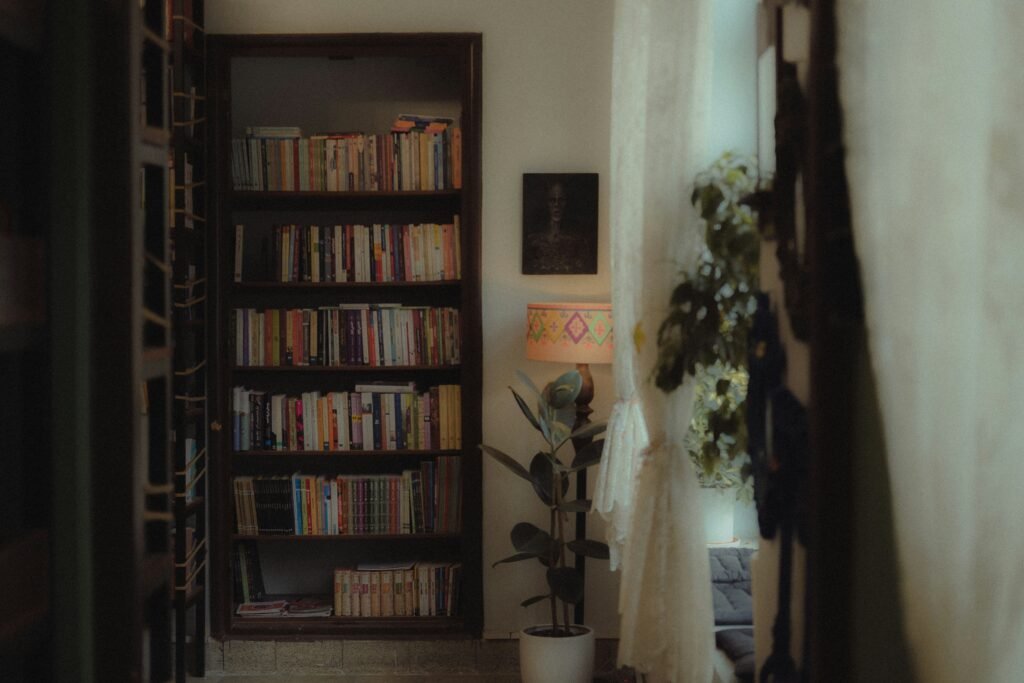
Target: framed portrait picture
[559,223]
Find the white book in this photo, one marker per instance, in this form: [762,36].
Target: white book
[368,417]
[365,321]
[405,502]
[367,253]
[339,264]
[314,422]
[307,422]
[386,329]
[341,418]
[388,434]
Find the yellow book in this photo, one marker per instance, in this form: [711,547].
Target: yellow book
[387,597]
[375,602]
[275,338]
[457,415]
[314,339]
[289,334]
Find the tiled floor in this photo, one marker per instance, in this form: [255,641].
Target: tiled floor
[375,661]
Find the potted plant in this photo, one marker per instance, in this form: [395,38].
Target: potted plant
[705,332]
[558,651]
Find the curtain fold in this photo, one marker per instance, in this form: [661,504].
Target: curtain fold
[646,488]
[932,93]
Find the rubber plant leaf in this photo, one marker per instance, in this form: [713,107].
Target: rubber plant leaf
[536,598]
[518,557]
[588,548]
[564,389]
[575,506]
[525,379]
[530,539]
[566,584]
[508,461]
[560,433]
[541,474]
[526,410]
[588,455]
[588,430]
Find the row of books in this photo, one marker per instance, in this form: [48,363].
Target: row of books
[427,252]
[425,155]
[422,589]
[380,417]
[417,501]
[377,335]
[247,573]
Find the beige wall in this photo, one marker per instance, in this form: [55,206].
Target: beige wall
[546,108]
[547,84]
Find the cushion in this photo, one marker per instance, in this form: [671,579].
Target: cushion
[738,645]
[730,583]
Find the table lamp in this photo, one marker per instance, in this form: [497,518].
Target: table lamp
[579,333]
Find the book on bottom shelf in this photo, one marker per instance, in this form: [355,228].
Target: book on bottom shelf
[412,589]
[267,608]
[296,608]
[247,574]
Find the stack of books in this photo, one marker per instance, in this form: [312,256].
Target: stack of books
[299,607]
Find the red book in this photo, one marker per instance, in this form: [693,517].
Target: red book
[457,158]
[300,439]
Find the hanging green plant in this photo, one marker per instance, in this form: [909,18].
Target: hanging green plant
[704,334]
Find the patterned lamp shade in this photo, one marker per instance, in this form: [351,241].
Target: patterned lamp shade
[569,333]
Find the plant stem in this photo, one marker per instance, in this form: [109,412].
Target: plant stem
[561,537]
[553,560]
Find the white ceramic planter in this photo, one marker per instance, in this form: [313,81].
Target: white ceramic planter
[543,659]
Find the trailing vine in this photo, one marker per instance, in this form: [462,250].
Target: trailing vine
[704,334]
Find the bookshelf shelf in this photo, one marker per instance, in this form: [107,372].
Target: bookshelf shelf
[256,230]
[392,201]
[433,284]
[383,628]
[398,452]
[324,369]
[350,538]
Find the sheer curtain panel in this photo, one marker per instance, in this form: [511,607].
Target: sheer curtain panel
[646,487]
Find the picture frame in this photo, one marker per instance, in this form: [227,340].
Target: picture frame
[560,213]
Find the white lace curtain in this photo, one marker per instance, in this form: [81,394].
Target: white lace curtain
[646,488]
[933,95]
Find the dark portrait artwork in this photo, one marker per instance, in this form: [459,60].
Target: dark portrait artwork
[559,223]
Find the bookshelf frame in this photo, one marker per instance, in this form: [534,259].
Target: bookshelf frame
[463,52]
[189,231]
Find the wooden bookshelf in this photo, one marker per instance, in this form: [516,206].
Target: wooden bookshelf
[354,83]
[188,216]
